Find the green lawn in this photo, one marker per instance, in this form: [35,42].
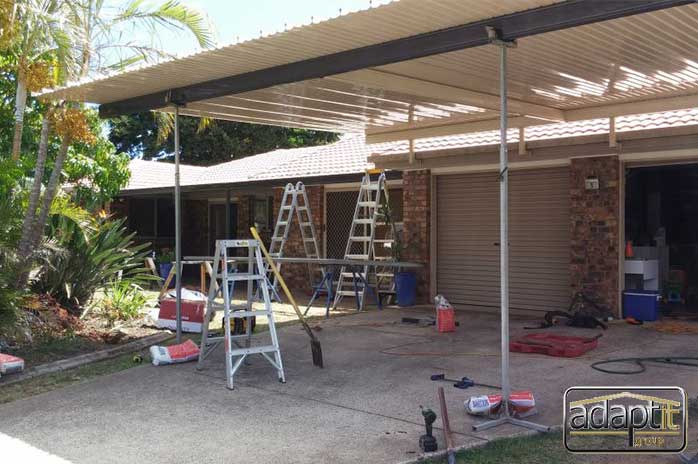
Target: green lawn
[536,449]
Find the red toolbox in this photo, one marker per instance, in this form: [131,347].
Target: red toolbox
[553,345]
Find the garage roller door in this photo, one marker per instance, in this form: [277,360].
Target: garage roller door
[467,266]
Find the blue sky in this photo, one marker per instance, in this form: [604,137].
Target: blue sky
[245,18]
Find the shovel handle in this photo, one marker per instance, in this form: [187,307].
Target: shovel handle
[280,279]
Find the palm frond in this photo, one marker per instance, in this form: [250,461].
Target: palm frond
[171,14]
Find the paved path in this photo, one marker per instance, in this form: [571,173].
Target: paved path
[363,407]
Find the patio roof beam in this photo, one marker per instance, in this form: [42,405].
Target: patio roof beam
[405,132]
[550,18]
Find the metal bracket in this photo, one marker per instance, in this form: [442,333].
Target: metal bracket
[495,37]
[173,98]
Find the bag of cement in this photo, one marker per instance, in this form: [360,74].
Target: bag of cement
[173,354]
[10,364]
[521,404]
[189,295]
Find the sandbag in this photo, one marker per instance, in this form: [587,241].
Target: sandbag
[173,354]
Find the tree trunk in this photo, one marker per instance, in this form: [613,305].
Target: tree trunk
[20,106]
[35,195]
[49,194]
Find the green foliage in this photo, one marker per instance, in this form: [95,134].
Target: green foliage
[89,261]
[218,142]
[123,300]
[10,297]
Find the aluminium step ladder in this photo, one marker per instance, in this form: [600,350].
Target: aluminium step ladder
[294,200]
[223,283]
[369,214]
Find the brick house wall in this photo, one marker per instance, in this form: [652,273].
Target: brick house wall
[296,275]
[416,192]
[595,229]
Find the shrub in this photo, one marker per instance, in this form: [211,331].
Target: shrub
[91,259]
[122,301]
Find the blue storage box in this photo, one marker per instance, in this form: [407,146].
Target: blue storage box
[643,305]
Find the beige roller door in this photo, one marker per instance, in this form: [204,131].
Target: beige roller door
[467,266]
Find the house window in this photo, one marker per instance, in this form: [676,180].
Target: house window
[261,213]
[151,217]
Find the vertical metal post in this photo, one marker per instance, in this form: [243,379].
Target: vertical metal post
[178,229]
[504,243]
[504,221]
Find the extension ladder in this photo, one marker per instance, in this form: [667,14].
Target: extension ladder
[223,283]
[294,200]
[369,214]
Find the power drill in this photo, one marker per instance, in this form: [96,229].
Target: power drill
[427,442]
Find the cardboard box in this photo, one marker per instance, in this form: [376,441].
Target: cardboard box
[193,313]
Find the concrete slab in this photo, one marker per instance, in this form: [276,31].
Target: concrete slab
[363,407]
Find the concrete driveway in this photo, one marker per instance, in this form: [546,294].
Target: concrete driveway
[363,407]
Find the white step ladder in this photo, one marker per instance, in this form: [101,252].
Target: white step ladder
[368,215]
[294,200]
[223,283]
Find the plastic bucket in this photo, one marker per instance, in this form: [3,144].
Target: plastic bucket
[406,288]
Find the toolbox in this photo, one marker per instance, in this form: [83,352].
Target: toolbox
[553,345]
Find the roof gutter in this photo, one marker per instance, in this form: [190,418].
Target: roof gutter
[549,18]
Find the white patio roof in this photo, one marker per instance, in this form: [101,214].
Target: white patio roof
[642,63]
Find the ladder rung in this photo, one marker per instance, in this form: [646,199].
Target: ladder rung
[360,239]
[350,275]
[384,274]
[277,239]
[308,239]
[238,277]
[383,240]
[356,256]
[286,208]
[370,204]
[253,350]
[383,258]
[348,292]
[363,221]
[221,307]
[243,314]
[306,224]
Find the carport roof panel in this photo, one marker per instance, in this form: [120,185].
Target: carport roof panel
[385,22]
[643,57]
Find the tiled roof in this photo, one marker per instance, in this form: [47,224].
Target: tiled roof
[347,156]
[552,131]
[155,174]
[350,154]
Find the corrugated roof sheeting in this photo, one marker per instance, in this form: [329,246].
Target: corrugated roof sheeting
[375,25]
[637,58]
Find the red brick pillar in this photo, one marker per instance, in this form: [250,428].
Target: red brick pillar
[243,212]
[594,229]
[416,191]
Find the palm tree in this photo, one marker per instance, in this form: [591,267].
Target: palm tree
[95,38]
[36,36]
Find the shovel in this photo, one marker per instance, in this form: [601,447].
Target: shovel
[314,342]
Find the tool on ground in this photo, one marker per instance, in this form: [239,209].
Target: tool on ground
[235,353]
[369,215]
[583,312]
[640,363]
[315,346]
[447,427]
[554,345]
[294,200]
[427,442]
[464,383]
